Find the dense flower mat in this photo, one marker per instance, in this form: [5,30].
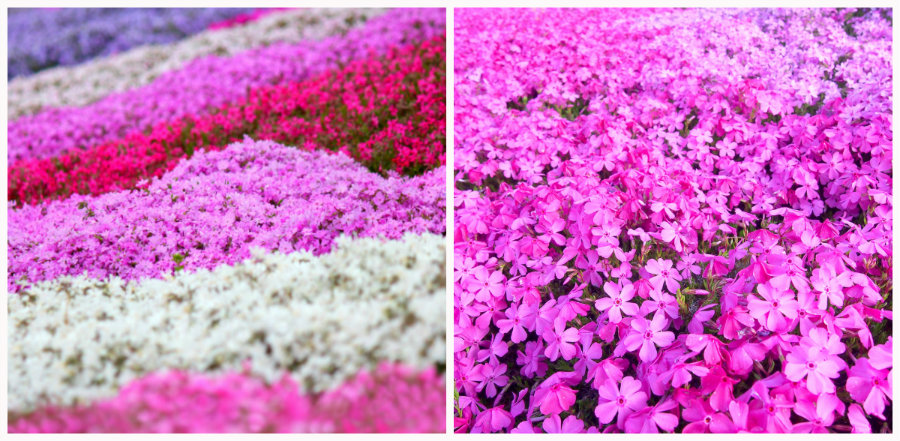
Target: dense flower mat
[283,311]
[386,112]
[88,82]
[41,38]
[216,206]
[181,402]
[673,220]
[240,230]
[209,82]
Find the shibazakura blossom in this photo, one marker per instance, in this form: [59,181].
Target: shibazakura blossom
[86,83]
[673,220]
[213,208]
[321,319]
[330,111]
[212,81]
[44,38]
[175,401]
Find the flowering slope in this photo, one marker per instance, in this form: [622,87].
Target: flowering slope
[322,319]
[673,221]
[235,402]
[386,112]
[43,38]
[210,82]
[213,208]
[88,82]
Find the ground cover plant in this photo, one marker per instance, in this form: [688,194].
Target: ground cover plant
[673,221]
[44,38]
[240,229]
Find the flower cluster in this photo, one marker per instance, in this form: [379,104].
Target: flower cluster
[382,111]
[43,38]
[91,81]
[178,401]
[210,82]
[74,340]
[673,220]
[215,207]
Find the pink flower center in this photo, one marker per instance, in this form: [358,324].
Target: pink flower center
[620,400]
[648,335]
[811,365]
[707,420]
[771,409]
[617,302]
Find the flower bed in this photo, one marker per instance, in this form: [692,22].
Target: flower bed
[382,111]
[285,312]
[210,82]
[43,38]
[673,220]
[235,402]
[215,207]
[91,81]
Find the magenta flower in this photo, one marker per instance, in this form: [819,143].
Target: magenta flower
[871,387]
[653,419]
[819,414]
[663,274]
[486,284]
[620,400]
[617,302]
[559,398]
[703,419]
[531,360]
[518,319]
[647,336]
[817,371]
[773,308]
[492,420]
[560,341]
[830,286]
[680,374]
[571,424]
[489,376]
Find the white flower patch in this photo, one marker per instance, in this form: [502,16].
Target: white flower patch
[323,319]
[85,83]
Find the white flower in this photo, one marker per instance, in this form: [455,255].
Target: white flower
[322,318]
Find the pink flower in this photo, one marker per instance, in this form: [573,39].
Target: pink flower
[647,336]
[560,341]
[617,302]
[492,420]
[518,319]
[680,374]
[489,376]
[619,400]
[775,306]
[705,420]
[559,398]
[653,419]
[571,425]
[486,284]
[819,414]
[871,387]
[664,274]
[818,372]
